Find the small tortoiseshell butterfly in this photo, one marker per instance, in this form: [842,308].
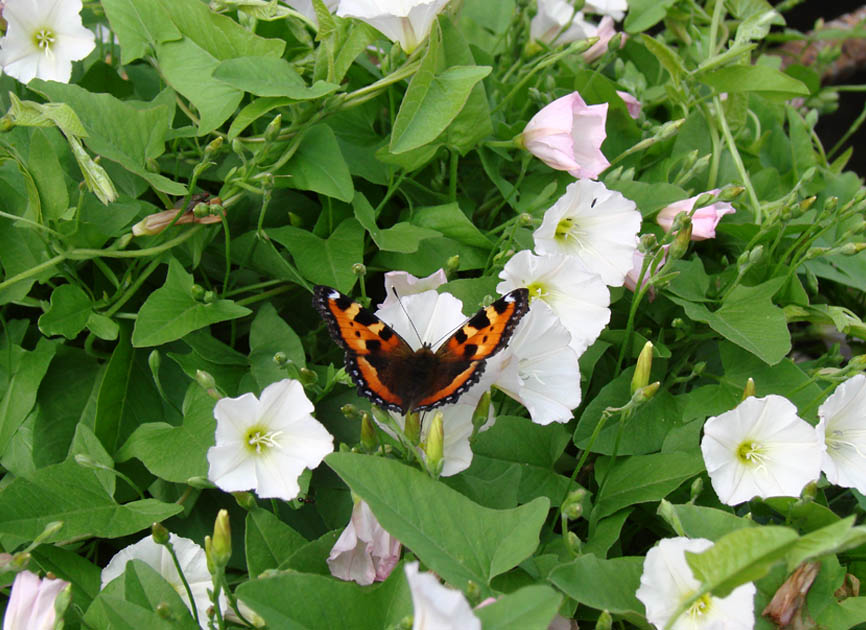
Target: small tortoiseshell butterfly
[393,375]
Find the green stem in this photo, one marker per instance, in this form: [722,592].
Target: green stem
[738,161]
[183,579]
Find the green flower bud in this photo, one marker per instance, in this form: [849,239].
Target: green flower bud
[369,437]
[273,128]
[749,389]
[359,269]
[246,500]
[696,489]
[307,377]
[604,622]
[159,533]
[221,546]
[641,375]
[412,428]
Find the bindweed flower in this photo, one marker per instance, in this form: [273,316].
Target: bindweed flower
[191,558]
[667,582]
[31,602]
[567,135]
[842,427]
[305,8]
[404,283]
[614,8]
[158,221]
[539,369]
[364,552]
[704,220]
[631,103]
[595,225]
[265,444]
[407,22]
[633,275]
[605,32]
[760,448]
[557,22]
[579,298]
[43,38]
[437,607]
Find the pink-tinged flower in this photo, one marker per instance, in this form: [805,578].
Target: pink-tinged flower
[31,602]
[557,22]
[843,430]
[437,607]
[405,21]
[158,221]
[43,38]
[404,283]
[539,369]
[760,448]
[567,135]
[704,220]
[605,33]
[594,224]
[364,552]
[632,276]
[631,103]
[667,582]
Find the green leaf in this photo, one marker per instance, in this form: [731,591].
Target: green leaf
[402,237]
[644,14]
[21,250]
[433,99]
[315,602]
[325,261]
[742,556]
[705,522]
[449,220]
[530,608]
[603,584]
[252,112]
[70,493]
[27,371]
[669,59]
[68,312]
[171,312]
[748,318]
[764,80]
[318,165]
[176,453]
[43,162]
[103,327]
[268,542]
[269,334]
[644,478]
[126,133]
[833,538]
[269,76]
[456,538]
[138,25]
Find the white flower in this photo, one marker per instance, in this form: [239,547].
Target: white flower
[760,448]
[305,8]
[596,225]
[404,283]
[191,558]
[539,368]
[31,602]
[667,582]
[365,552]
[605,32]
[579,298]
[43,38]
[614,8]
[557,22]
[437,607]
[405,21]
[843,430]
[265,444]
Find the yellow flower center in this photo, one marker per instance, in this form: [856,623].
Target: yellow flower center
[567,229]
[44,38]
[536,290]
[700,607]
[751,453]
[259,439]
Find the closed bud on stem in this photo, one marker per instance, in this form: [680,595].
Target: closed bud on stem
[729,193]
[755,255]
[452,264]
[163,611]
[830,204]
[815,252]
[481,414]
[473,592]
[61,603]
[369,438]
[572,507]
[20,560]
[238,147]
[222,539]
[159,533]
[812,282]
[208,554]
[280,359]
[307,377]
[273,128]
[696,490]
[197,292]
[207,383]
[667,512]
[604,622]
[359,269]
[435,444]
[807,203]
[525,219]
[704,199]
[574,544]
[699,368]
[641,375]
[295,220]
[645,393]
[681,242]
[213,146]
[809,492]
[201,210]
[246,500]
[743,260]
[749,389]
[412,428]
[351,412]
[849,249]
[209,297]
[647,243]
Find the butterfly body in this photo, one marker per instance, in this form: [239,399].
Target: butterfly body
[390,373]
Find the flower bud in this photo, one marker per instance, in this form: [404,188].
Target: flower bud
[696,489]
[647,243]
[809,492]
[197,292]
[452,264]
[351,412]
[238,147]
[295,220]
[246,500]
[208,554]
[163,611]
[95,178]
[61,603]
[201,210]
[729,193]
[369,438]
[273,128]
[213,146]
[645,393]
[307,377]
[207,383]
[435,444]
[807,203]
[359,269]
[641,375]
[221,547]
[159,533]
[666,511]
[755,255]
[572,507]
[574,544]
[473,591]
[605,621]
[681,242]
[412,428]
[280,359]
[209,297]
[749,389]
[481,413]
[704,199]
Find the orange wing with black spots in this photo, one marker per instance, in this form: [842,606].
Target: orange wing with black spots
[392,375]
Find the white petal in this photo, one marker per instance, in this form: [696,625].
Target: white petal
[437,607]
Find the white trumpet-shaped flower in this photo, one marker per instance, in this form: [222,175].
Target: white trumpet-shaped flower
[405,21]
[437,607]
[843,429]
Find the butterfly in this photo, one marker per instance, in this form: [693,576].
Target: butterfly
[393,375]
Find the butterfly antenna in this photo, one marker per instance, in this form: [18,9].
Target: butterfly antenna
[406,313]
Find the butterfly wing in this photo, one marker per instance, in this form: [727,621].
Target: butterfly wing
[463,355]
[372,347]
